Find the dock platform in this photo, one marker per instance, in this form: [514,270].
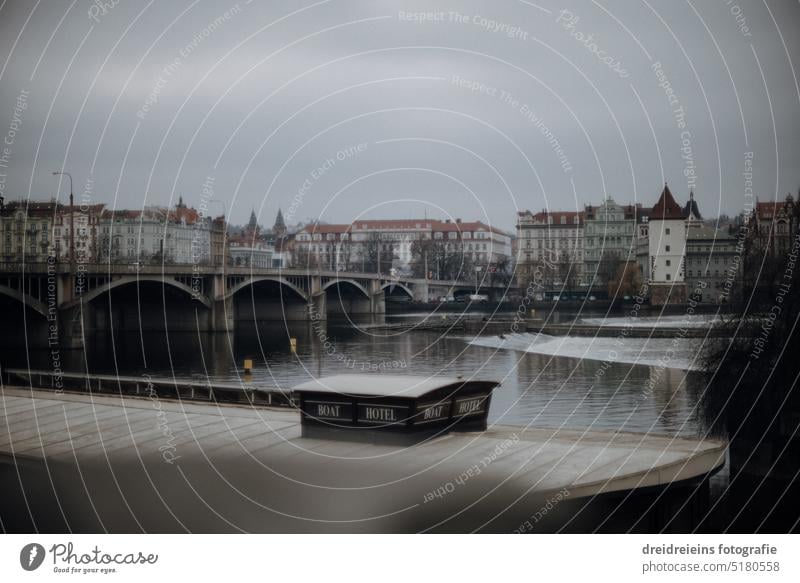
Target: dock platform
[95,463]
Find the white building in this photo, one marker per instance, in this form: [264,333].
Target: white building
[86,220]
[483,243]
[667,233]
[390,243]
[155,234]
[257,255]
[667,240]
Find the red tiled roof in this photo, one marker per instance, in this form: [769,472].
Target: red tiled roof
[472,226]
[188,214]
[325,229]
[393,224]
[568,216]
[768,210]
[435,225]
[148,213]
[666,208]
[35,208]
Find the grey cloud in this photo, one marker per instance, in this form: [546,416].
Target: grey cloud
[579,99]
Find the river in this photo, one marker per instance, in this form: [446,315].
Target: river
[623,384]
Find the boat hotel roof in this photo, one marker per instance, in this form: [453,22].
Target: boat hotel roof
[384,385]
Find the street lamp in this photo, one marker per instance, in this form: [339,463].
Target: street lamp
[71,221]
[477,272]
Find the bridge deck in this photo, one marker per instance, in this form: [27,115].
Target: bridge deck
[131,464]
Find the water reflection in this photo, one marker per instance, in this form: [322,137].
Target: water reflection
[537,389]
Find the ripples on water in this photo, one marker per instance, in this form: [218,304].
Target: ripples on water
[585,383]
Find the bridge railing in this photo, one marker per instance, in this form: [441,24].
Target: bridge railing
[42,268]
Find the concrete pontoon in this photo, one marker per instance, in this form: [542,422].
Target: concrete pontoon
[92,463]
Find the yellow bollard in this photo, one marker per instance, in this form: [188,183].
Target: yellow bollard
[248,365]
[293,345]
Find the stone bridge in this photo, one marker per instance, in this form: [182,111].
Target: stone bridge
[68,302]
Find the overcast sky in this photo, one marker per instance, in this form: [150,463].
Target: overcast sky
[474,110]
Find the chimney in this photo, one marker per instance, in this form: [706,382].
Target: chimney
[458,221]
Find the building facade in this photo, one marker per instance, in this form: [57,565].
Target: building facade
[711,265]
[156,234]
[667,231]
[550,247]
[218,238]
[258,254]
[86,219]
[773,225]
[27,231]
[396,244]
[609,239]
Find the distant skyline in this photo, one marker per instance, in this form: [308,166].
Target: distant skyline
[339,110]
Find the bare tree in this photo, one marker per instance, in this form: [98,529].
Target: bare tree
[627,281]
[302,258]
[752,394]
[444,258]
[607,269]
[377,256]
[566,268]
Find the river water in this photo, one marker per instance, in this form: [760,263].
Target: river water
[636,385]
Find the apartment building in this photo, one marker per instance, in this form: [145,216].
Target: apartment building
[550,247]
[27,231]
[609,238]
[156,234]
[384,244]
[711,263]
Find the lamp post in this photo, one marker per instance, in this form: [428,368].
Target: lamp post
[477,272]
[71,222]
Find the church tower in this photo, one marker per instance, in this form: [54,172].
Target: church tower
[279,228]
[252,230]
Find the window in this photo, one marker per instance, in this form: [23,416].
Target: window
[667,248]
[666,230]
[669,277]
[669,262]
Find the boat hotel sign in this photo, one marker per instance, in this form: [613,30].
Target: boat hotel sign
[394,403]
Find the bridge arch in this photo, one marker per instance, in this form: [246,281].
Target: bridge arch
[254,280]
[397,284]
[36,305]
[128,279]
[336,282]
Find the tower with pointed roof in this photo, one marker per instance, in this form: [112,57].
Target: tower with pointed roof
[692,211]
[667,249]
[252,230]
[279,228]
